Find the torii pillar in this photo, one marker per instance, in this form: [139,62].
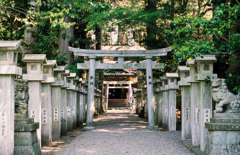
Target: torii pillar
[150,102]
[90,101]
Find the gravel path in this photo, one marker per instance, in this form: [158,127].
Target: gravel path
[119,132]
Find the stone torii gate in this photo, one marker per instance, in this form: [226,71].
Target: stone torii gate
[92,65]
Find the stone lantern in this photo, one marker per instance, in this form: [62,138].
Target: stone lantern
[76,100]
[71,78]
[64,107]
[34,66]
[195,101]
[205,67]
[48,71]
[58,74]
[71,101]
[172,87]
[164,89]
[205,74]
[48,79]
[184,73]
[8,70]
[185,102]
[57,103]
[158,98]
[35,76]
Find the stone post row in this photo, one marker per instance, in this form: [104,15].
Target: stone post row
[48,99]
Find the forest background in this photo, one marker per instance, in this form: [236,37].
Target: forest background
[190,27]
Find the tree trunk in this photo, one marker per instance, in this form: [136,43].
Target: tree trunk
[98,37]
[151,28]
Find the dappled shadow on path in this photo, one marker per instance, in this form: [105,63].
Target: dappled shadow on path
[119,121]
[121,132]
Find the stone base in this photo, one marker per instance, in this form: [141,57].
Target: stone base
[25,136]
[226,115]
[152,128]
[34,149]
[63,127]
[87,128]
[223,136]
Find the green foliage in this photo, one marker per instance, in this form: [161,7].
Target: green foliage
[181,24]
[73,66]
[11,13]
[48,18]
[193,36]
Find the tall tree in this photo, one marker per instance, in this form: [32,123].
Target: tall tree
[151,24]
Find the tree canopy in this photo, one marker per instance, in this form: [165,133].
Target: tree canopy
[191,28]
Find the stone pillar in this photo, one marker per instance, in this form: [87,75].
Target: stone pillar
[90,97]
[150,97]
[159,102]
[155,100]
[145,102]
[130,97]
[99,100]
[165,98]
[8,70]
[82,105]
[85,101]
[139,100]
[172,87]
[95,103]
[35,76]
[64,116]
[46,96]
[71,100]
[107,95]
[139,92]
[186,102]
[195,103]
[78,84]
[74,100]
[57,103]
[205,71]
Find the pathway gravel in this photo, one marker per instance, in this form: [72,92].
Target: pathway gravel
[120,132]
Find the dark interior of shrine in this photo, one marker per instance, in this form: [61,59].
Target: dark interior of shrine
[118,93]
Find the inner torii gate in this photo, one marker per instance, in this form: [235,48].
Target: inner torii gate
[107,83]
[92,65]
